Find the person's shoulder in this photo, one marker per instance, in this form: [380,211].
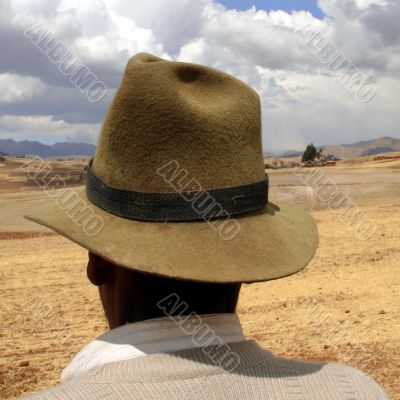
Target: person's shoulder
[75,390]
[329,376]
[356,380]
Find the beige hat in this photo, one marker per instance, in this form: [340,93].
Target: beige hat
[177,187]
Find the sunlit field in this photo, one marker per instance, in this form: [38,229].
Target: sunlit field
[343,307]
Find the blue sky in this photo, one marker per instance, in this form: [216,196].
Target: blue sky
[287,5]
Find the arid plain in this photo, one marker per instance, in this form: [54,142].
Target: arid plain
[343,307]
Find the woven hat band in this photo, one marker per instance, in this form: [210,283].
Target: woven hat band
[176,206]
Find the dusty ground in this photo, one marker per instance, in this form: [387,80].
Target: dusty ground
[344,306]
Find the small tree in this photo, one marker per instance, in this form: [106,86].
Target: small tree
[310,153]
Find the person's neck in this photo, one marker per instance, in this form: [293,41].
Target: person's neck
[142,317]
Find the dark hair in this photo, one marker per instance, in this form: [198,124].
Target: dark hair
[200,297]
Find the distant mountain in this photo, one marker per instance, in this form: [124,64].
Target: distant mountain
[358,149]
[377,150]
[364,148]
[268,154]
[292,153]
[27,147]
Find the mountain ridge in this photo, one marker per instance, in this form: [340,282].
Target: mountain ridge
[64,149]
[59,149]
[361,148]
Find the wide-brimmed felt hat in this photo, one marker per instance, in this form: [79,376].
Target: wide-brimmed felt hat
[177,187]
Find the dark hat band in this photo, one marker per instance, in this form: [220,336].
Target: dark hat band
[176,206]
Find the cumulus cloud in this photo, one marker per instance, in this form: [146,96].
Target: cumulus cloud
[15,88]
[384,20]
[15,127]
[302,99]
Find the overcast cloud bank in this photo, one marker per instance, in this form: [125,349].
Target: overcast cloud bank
[301,96]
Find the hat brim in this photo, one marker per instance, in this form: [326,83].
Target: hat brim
[274,242]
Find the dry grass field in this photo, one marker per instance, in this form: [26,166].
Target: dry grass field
[344,306]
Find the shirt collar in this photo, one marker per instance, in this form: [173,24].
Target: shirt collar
[153,336]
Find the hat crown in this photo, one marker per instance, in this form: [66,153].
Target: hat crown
[204,120]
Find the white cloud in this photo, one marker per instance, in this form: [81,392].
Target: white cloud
[16,127]
[15,88]
[302,101]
